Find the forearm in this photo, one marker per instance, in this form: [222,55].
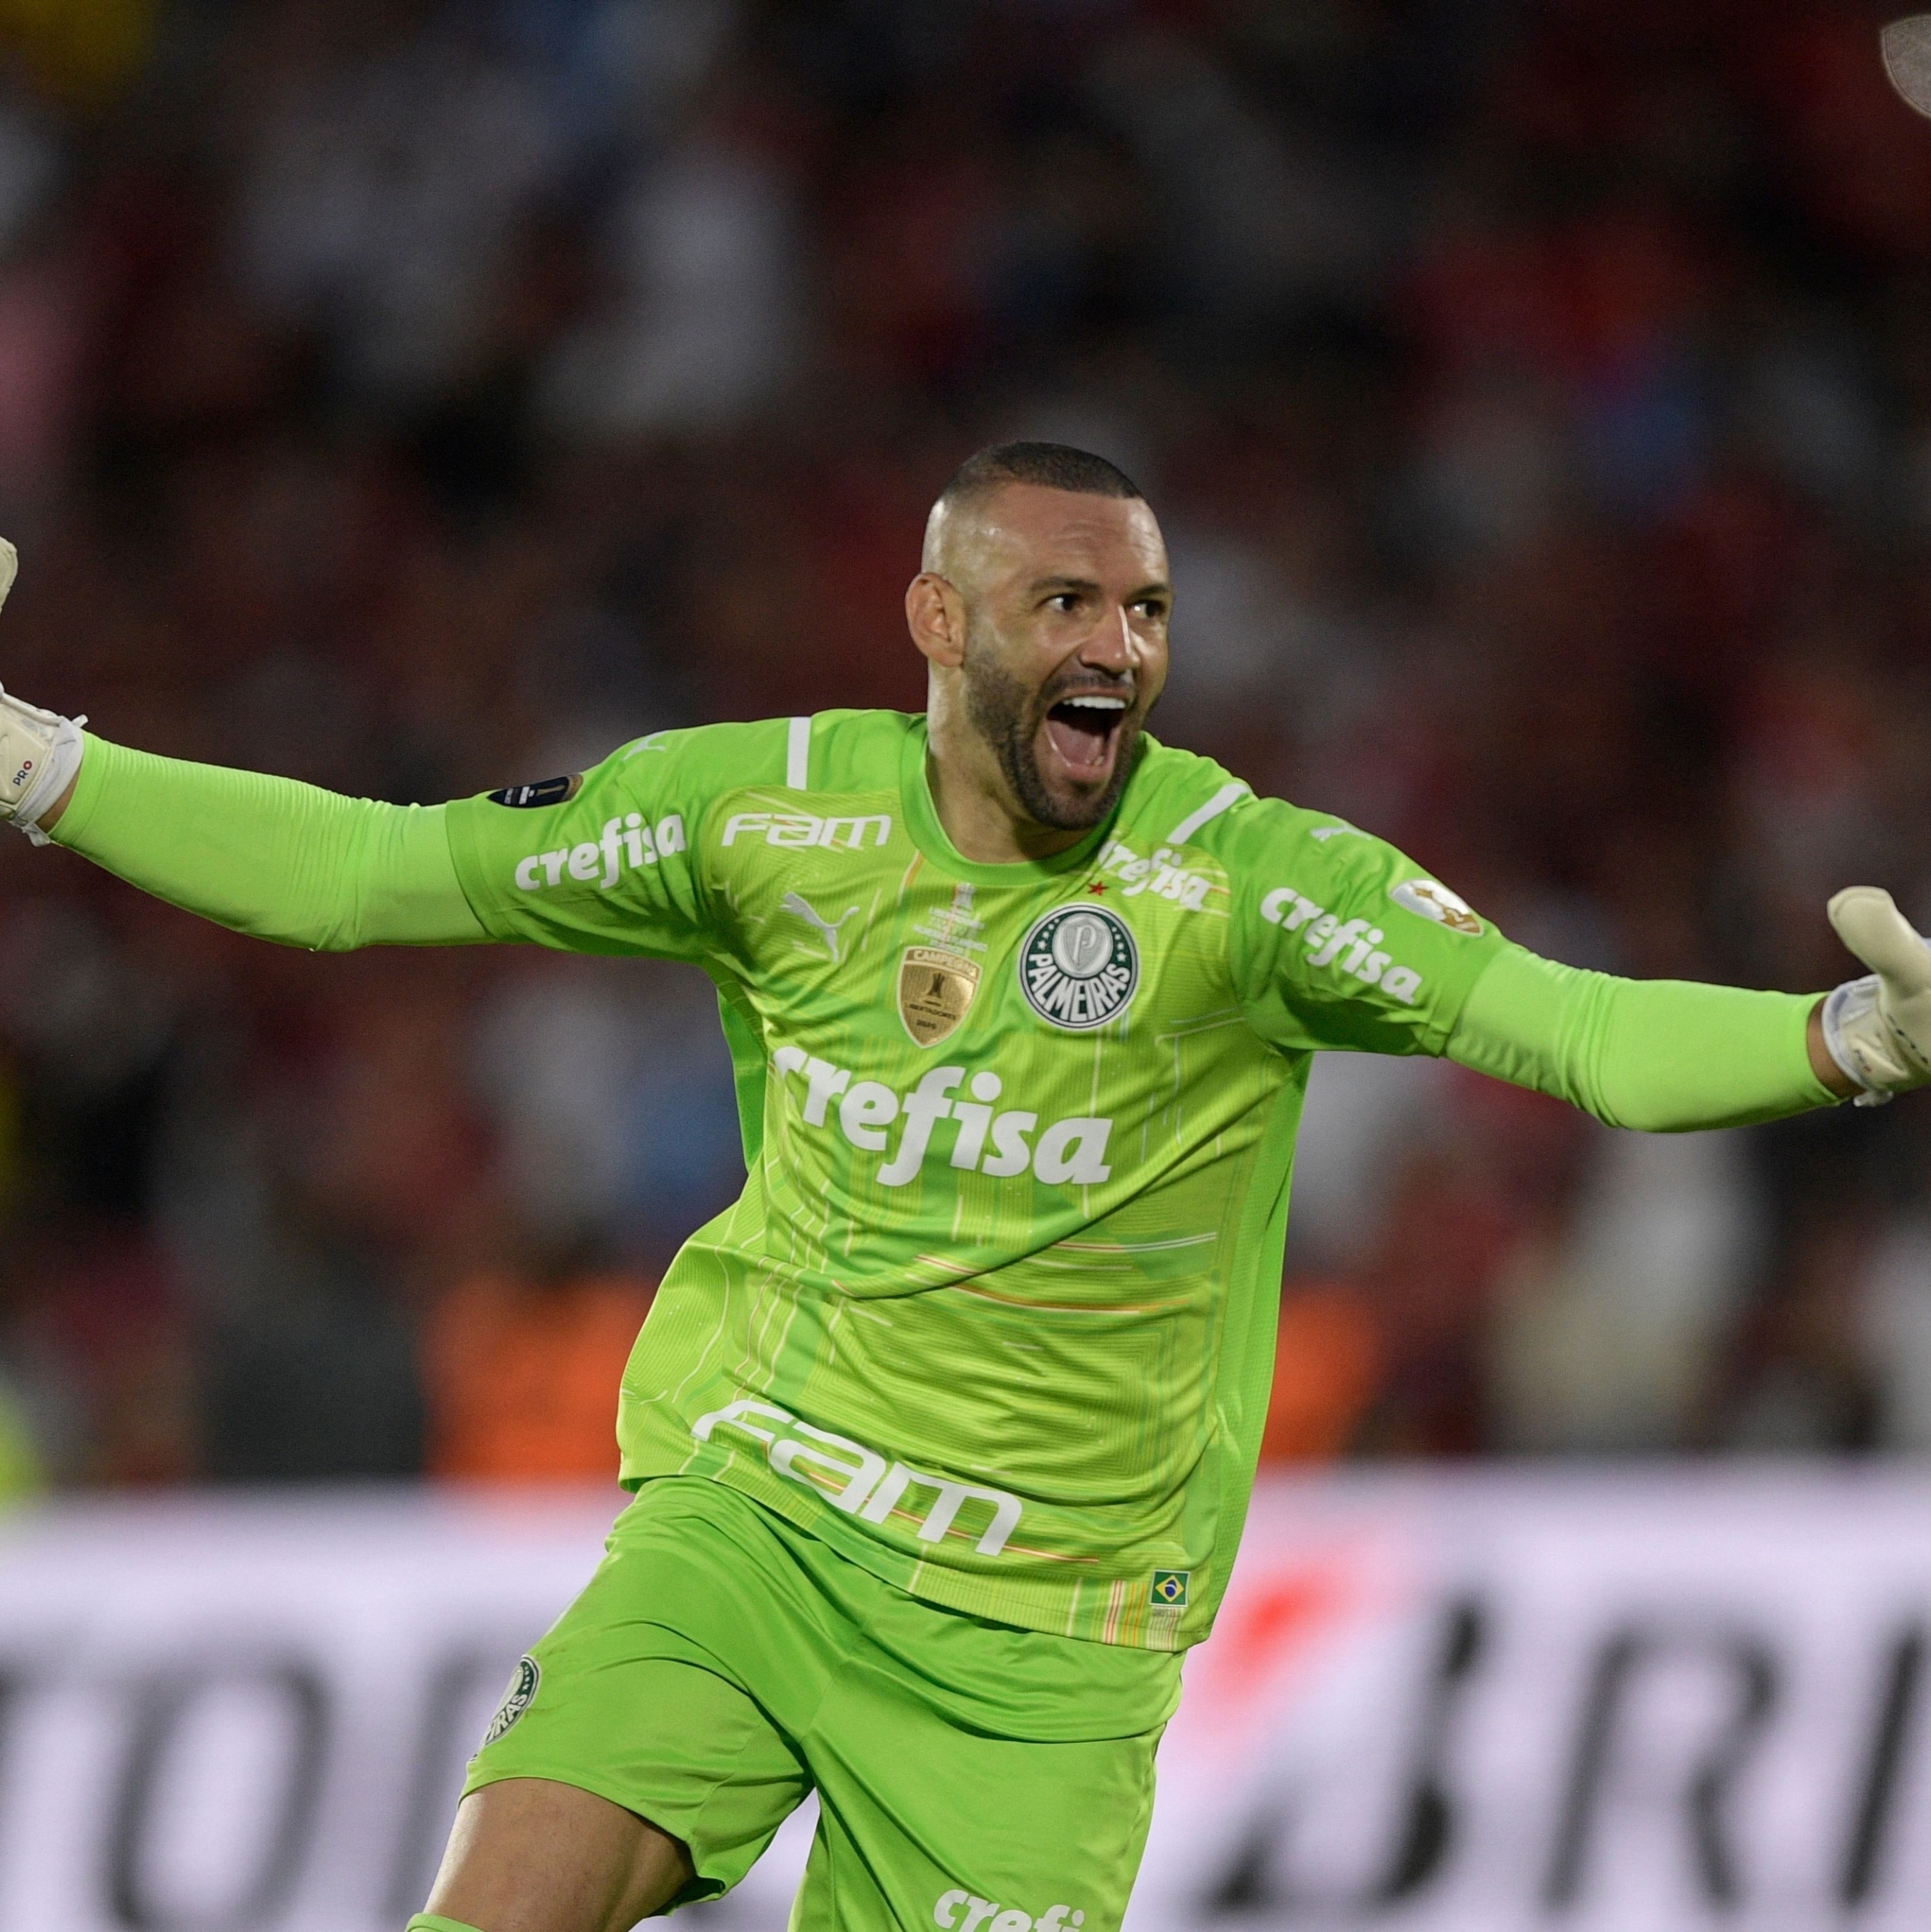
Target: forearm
[1663,1055]
[268,855]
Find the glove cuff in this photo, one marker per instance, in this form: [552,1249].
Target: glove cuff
[1868,1049]
[57,772]
[40,753]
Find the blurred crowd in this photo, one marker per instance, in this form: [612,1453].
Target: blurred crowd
[419,397]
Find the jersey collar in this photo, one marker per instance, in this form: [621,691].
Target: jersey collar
[929,834]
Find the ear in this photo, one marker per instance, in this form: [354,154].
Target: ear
[936,615]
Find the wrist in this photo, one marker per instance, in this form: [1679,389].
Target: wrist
[1833,1078]
[49,818]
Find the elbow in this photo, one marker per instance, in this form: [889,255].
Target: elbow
[1627,1113]
[301,936]
[346,928]
[1605,1102]
[1656,1117]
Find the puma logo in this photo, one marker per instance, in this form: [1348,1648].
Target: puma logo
[799,908]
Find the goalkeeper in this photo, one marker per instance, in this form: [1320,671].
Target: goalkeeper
[940,1437]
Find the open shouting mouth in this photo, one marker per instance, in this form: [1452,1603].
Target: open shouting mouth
[1082,733]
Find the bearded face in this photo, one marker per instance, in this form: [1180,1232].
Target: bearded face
[1066,747]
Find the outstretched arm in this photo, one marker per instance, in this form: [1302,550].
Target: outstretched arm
[1339,940]
[262,855]
[1664,1055]
[1667,1055]
[266,856]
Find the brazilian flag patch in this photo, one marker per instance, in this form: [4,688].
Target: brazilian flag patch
[1169,1587]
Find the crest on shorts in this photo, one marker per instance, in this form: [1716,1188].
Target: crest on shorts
[1170,1588]
[935,988]
[517,1699]
[1079,967]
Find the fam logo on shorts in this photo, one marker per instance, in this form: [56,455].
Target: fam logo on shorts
[517,1699]
[1170,1588]
[1079,967]
[1435,902]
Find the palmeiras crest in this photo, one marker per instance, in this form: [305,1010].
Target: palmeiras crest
[517,1699]
[1079,967]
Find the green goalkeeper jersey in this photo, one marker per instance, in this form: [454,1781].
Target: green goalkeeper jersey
[995,1314]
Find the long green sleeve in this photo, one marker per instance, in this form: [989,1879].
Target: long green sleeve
[1664,1055]
[268,855]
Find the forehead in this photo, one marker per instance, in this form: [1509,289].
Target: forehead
[1027,530]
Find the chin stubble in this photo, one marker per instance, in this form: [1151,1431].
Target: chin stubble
[1002,712]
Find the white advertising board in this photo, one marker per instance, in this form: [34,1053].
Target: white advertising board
[1649,1702]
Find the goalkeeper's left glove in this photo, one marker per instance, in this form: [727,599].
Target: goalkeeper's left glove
[40,751]
[1879,1029]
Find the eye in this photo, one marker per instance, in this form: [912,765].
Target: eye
[1065,601]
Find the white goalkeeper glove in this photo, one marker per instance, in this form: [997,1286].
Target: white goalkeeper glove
[1879,1029]
[40,751]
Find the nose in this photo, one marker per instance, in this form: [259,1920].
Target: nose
[1113,646]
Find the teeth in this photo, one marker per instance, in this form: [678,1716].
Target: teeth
[1096,703]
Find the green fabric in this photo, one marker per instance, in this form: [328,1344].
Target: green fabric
[1665,1055]
[723,1663]
[996,1315]
[423,1922]
[268,855]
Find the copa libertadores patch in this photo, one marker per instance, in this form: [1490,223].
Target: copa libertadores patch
[1079,967]
[517,1699]
[545,791]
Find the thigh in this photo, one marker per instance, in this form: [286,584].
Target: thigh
[661,1689]
[924,1821]
[528,1855]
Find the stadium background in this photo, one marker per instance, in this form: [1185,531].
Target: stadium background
[416,398]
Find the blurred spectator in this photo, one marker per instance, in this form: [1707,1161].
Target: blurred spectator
[21,1473]
[1325,1371]
[83,52]
[705,309]
[614,1103]
[1801,1379]
[388,165]
[522,1375]
[1608,1336]
[319,1383]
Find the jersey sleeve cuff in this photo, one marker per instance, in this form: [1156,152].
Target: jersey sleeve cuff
[1445,1013]
[97,768]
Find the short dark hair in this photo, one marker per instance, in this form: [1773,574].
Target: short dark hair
[1053,465]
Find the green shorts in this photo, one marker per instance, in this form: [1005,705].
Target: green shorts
[723,1663]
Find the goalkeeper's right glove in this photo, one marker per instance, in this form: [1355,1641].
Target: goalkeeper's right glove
[40,751]
[1879,1029]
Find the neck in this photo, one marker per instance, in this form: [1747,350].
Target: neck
[974,803]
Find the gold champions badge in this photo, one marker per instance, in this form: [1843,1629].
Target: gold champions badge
[935,989]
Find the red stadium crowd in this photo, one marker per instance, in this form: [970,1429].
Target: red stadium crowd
[419,398]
